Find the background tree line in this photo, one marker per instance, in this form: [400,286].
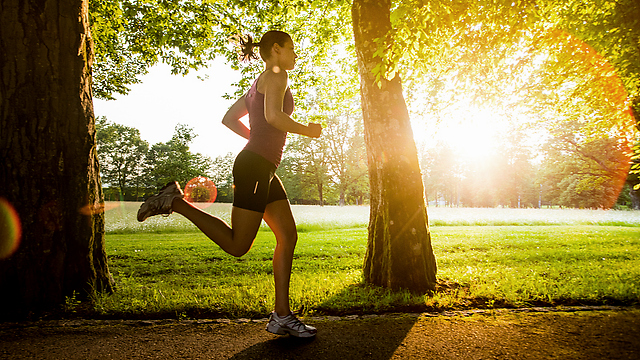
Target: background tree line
[333,171]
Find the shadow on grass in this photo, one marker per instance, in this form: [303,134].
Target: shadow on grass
[365,299]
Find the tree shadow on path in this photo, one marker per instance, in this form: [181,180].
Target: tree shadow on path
[374,338]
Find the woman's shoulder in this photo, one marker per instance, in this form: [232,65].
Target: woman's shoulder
[274,75]
[272,79]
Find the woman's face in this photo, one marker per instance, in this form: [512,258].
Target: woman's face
[288,55]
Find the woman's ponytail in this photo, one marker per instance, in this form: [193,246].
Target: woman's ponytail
[247,47]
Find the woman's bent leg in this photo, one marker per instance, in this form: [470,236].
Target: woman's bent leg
[235,239]
[280,219]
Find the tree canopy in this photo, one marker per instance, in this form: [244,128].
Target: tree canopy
[132,35]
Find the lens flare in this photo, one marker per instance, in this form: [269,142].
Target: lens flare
[92,209]
[621,121]
[99,208]
[10,229]
[200,190]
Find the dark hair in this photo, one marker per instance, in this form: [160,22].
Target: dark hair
[265,44]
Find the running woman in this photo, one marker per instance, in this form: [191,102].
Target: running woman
[258,192]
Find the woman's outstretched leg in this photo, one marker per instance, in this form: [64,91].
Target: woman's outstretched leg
[236,239]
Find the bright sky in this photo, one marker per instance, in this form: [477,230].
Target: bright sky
[163,100]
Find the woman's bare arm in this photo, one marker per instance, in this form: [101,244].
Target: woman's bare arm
[275,89]
[232,118]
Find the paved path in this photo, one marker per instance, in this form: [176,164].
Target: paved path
[610,334]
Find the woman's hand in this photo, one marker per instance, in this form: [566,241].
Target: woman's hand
[314,130]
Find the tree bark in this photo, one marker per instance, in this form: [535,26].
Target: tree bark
[49,170]
[399,253]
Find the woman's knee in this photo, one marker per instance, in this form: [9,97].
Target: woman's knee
[288,238]
[239,250]
[241,245]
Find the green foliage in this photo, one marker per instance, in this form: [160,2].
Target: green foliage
[442,174]
[553,61]
[484,43]
[335,164]
[613,29]
[173,161]
[221,173]
[132,35]
[319,29]
[127,162]
[635,164]
[306,168]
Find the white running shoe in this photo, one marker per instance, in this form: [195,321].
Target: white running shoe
[291,325]
[161,202]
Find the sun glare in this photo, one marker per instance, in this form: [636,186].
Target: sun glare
[473,136]
[471,132]
[476,132]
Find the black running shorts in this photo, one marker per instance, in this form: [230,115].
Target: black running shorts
[255,182]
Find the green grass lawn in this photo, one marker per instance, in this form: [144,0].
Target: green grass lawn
[186,275]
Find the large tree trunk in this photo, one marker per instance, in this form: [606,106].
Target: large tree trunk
[49,168]
[399,253]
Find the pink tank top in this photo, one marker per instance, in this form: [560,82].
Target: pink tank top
[264,139]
